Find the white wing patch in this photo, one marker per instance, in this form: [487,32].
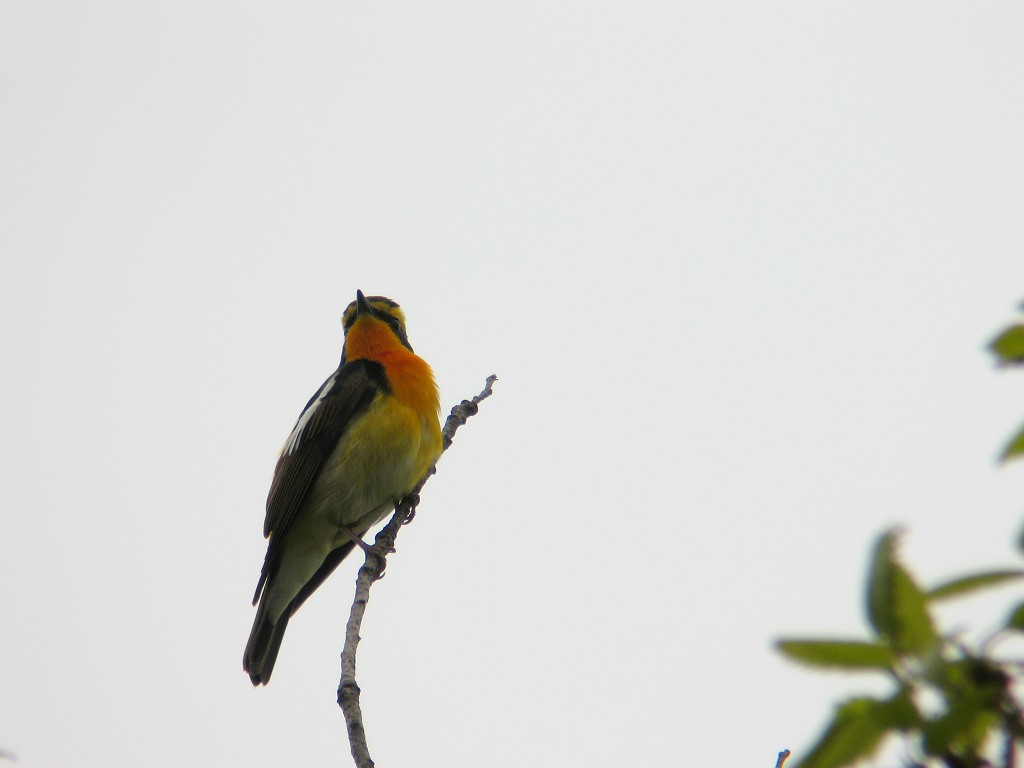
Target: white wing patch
[295,438]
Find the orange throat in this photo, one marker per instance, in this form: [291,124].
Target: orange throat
[410,377]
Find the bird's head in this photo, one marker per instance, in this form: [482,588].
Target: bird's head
[372,324]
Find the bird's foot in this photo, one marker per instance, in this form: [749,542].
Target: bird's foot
[367,549]
[409,504]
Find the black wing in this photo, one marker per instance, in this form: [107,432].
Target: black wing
[328,415]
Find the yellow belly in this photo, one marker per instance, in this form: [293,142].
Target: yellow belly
[379,460]
[387,450]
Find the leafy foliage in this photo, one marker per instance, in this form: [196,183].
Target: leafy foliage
[952,705]
[973,691]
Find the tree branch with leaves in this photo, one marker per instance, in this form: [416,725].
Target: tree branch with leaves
[974,716]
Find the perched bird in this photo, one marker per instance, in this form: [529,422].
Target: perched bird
[362,442]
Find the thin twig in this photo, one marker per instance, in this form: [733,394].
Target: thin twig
[782,758]
[372,570]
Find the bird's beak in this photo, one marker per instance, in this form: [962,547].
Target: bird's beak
[362,305]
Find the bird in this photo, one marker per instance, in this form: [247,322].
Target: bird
[363,441]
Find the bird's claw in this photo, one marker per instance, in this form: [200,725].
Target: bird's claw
[409,504]
[357,540]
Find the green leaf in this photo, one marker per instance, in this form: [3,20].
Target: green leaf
[1013,448]
[1016,620]
[965,725]
[879,605]
[965,584]
[1008,346]
[970,676]
[897,608]
[858,728]
[838,654]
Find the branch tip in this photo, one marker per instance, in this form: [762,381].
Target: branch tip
[372,570]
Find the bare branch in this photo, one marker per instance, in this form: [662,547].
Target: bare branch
[372,570]
[782,758]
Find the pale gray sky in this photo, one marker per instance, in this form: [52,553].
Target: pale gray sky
[734,263]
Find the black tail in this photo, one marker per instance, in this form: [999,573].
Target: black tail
[264,643]
[266,636]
